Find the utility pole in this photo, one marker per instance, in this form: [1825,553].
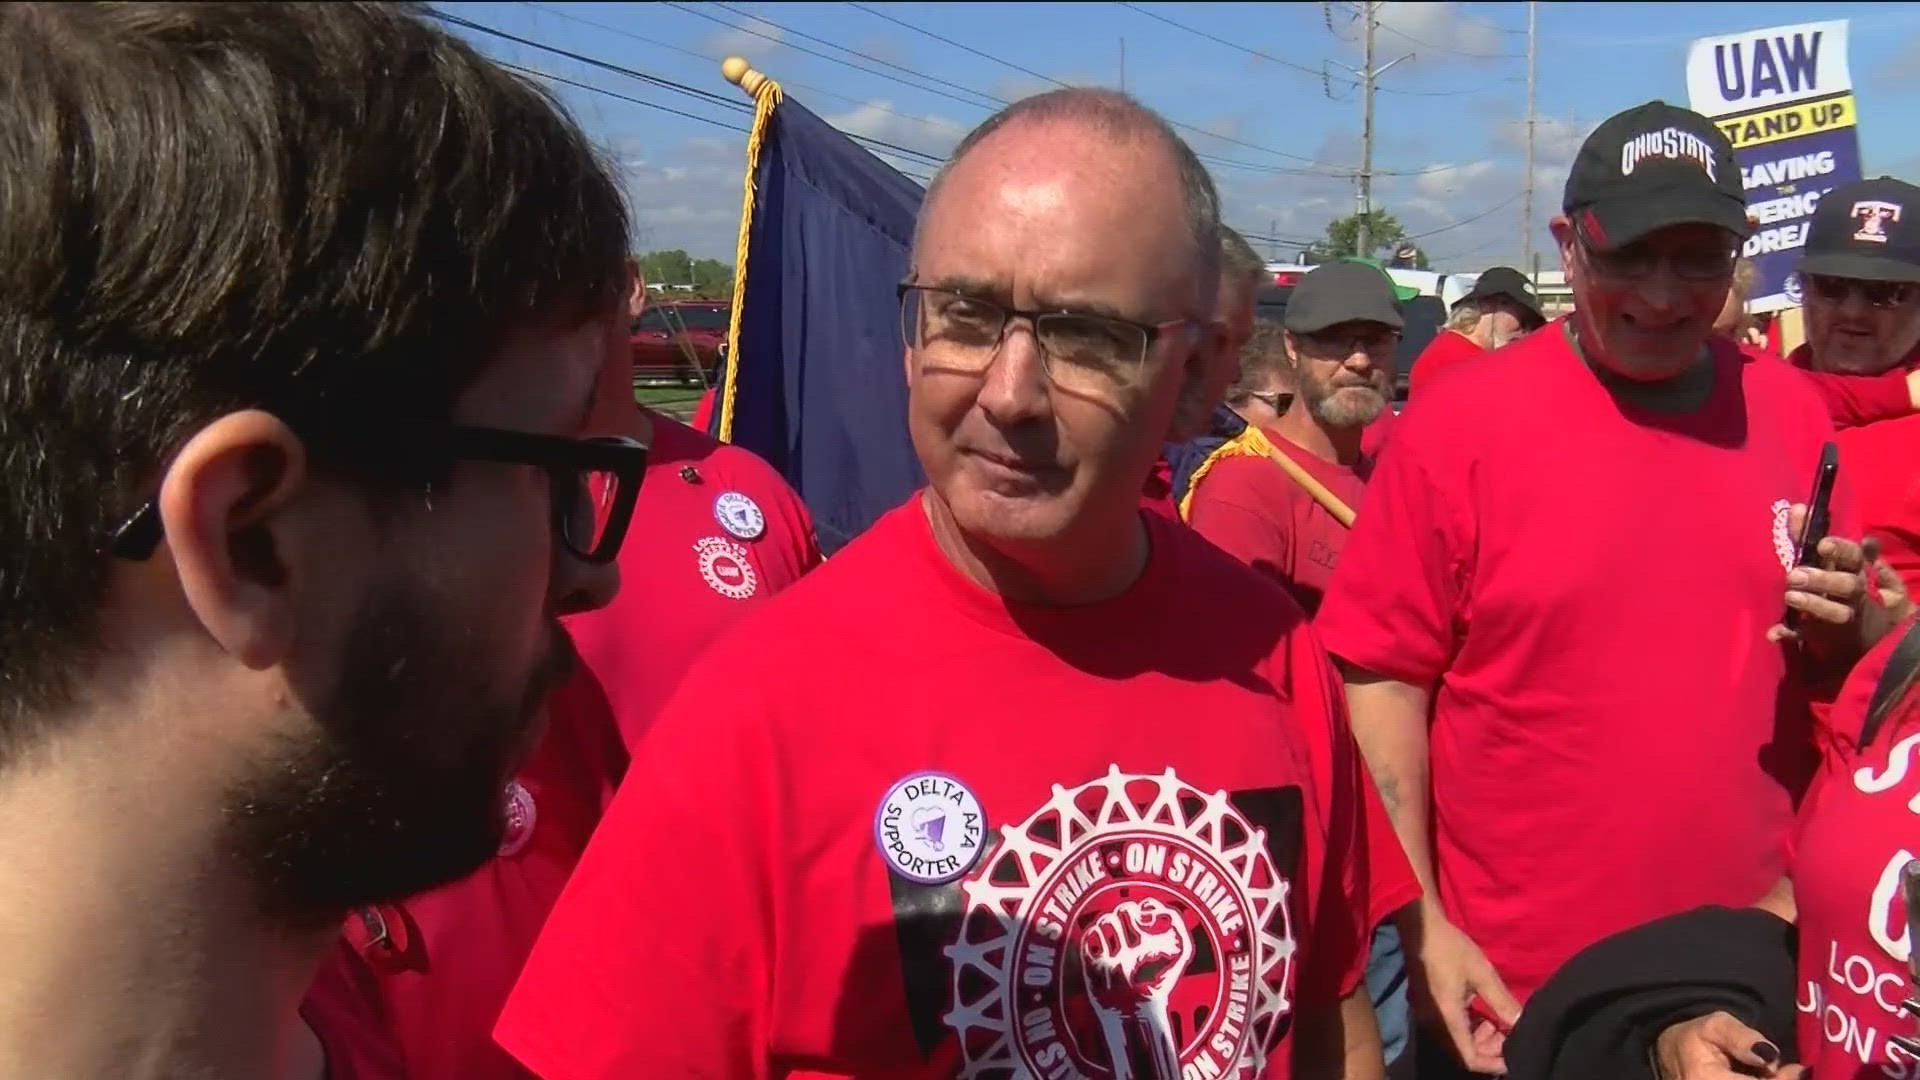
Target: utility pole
[1273,242]
[1368,74]
[1526,197]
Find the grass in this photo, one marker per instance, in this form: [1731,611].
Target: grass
[676,401]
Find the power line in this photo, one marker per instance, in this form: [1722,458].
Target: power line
[644,40]
[1317,73]
[550,77]
[1488,212]
[824,56]
[1338,170]
[956,44]
[854,52]
[669,84]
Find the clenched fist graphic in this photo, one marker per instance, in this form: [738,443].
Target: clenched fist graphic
[1131,957]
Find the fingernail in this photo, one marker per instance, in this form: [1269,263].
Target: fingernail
[1766,1052]
[1797,578]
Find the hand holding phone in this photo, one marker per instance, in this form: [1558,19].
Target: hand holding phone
[1819,517]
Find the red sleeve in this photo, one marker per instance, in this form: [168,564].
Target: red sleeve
[790,548]
[1856,400]
[1394,604]
[659,958]
[1362,878]
[1223,511]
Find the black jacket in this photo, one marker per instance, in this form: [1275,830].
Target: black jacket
[1598,1016]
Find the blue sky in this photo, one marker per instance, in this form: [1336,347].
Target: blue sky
[1282,139]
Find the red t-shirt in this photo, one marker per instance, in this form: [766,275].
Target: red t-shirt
[451,955]
[1446,351]
[1882,463]
[1156,792]
[1856,833]
[1853,400]
[1157,494]
[685,573]
[1587,586]
[1374,437]
[342,1009]
[1255,512]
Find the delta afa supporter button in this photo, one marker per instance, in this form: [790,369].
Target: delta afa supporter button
[930,828]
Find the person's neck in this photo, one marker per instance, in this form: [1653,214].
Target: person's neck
[1683,391]
[1089,567]
[128,946]
[1298,425]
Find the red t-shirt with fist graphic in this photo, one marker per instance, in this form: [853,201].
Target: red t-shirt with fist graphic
[1856,833]
[1585,586]
[927,828]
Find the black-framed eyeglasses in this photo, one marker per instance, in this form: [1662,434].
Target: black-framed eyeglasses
[1376,341]
[593,483]
[1081,351]
[1880,294]
[1635,264]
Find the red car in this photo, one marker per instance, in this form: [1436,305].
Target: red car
[679,341]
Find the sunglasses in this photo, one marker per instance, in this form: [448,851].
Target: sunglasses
[593,484]
[1880,294]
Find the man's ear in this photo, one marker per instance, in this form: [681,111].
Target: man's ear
[219,507]
[1191,407]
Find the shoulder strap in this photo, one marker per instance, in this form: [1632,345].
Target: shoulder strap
[1894,679]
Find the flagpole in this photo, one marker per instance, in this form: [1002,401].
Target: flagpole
[766,95]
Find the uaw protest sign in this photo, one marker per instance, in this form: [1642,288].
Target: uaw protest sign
[1784,97]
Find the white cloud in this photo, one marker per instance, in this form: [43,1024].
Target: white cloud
[752,46]
[927,133]
[1437,32]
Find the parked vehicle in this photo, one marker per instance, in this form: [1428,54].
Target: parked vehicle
[679,342]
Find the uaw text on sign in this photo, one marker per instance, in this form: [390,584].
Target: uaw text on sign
[1784,98]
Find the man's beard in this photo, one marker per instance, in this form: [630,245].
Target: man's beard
[399,786]
[1345,407]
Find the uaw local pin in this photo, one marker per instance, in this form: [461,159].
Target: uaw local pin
[1910,896]
[930,828]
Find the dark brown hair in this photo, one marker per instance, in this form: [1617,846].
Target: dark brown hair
[205,207]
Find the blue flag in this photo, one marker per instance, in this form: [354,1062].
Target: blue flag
[816,383]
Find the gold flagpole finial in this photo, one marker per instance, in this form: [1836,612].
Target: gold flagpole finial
[741,74]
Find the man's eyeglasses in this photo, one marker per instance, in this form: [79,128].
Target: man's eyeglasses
[1330,344]
[1278,400]
[593,483]
[1880,294]
[1640,264]
[1082,353]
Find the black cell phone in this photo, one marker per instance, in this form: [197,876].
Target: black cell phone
[1819,515]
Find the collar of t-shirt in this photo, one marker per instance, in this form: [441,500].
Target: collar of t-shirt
[1686,392]
[1130,621]
[1327,472]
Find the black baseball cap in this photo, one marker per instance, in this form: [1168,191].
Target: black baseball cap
[1337,292]
[1653,166]
[1866,230]
[1512,284]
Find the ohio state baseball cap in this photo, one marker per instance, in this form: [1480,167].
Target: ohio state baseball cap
[1866,230]
[1653,166]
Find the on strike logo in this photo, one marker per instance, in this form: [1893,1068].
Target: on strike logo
[1783,546]
[1133,928]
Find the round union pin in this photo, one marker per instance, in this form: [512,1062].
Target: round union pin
[739,515]
[930,828]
